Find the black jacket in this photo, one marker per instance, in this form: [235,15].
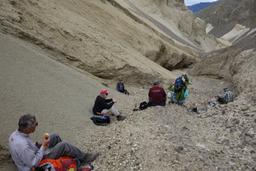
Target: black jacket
[101,104]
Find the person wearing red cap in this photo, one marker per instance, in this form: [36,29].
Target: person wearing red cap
[104,106]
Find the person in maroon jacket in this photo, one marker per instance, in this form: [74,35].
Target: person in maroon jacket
[156,95]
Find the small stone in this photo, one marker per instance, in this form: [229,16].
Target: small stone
[179,149]
[244,108]
[250,133]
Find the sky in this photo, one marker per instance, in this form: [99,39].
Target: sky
[192,2]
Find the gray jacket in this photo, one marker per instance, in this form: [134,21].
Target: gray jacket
[23,151]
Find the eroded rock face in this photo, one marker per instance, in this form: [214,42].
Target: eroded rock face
[225,14]
[233,64]
[170,2]
[175,19]
[236,63]
[170,60]
[104,40]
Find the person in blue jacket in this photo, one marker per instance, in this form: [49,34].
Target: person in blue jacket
[121,88]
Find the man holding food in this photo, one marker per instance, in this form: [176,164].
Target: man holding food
[26,155]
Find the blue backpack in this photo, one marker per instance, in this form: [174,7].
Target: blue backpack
[178,85]
[100,120]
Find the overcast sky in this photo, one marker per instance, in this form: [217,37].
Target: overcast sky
[191,2]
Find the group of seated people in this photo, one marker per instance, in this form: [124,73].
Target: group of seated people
[178,92]
[104,106]
[27,155]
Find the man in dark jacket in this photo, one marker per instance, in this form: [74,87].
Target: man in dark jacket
[104,106]
[156,95]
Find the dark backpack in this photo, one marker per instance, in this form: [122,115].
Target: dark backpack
[100,120]
[178,85]
[143,105]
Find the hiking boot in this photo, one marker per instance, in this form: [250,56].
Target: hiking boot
[120,117]
[90,157]
[86,168]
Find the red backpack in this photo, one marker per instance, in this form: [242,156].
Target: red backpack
[60,164]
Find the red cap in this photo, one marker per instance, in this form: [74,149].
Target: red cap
[104,91]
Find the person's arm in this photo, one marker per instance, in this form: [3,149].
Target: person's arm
[30,157]
[164,94]
[150,95]
[187,82]
[108,103]
[108,100]
[118,86]
[122,87]
[171,88]
[38,145]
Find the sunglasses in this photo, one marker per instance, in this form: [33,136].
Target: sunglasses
[33,125]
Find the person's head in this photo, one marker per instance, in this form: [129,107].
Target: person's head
[156,82]
[27,124]
[104,93]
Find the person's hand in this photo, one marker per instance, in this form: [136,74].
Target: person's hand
[38,145]
[114,100]
[46,140]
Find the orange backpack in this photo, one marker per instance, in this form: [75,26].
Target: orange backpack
[60,164]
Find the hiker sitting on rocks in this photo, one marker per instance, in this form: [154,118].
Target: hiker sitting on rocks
[179,90]
[120,87]
[156,95]
[27,155]
[227,96]
[104,106]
